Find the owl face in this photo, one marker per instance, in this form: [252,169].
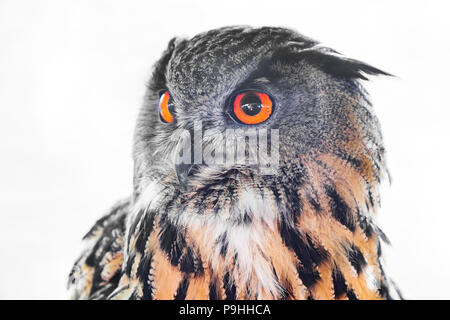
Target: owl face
[250,81]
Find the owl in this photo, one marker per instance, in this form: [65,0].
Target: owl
[257,165]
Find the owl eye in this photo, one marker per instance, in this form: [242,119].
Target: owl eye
[252,107]
[164,108]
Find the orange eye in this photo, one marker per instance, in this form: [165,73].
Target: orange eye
[164,111]
[252,107]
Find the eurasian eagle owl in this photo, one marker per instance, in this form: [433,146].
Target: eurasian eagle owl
[258,159]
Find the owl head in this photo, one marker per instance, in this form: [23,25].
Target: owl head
[253,89]
[257,163]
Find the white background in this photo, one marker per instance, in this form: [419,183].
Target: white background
[72,76]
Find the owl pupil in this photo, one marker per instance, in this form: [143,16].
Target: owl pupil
[251,104]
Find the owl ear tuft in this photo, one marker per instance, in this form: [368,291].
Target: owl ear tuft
[158,79]
[332,62]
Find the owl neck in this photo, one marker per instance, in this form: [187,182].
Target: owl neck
[307,235]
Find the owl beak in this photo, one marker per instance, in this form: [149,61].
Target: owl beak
[184,172]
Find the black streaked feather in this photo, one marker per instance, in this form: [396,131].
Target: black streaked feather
[230,288]
[356,258]
[143,273]
[338,283]
[182,289]
[213,291]
[339,209]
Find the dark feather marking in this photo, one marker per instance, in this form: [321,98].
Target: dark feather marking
[112,227]
[356,258]
[187,263]
[198,265]
[143,272]
[317,252]
[367,205]
[105,242]
[110,221]
[134,295]
[230,288]
[339,209]
[201,200]
[379,249]
[241,218]
[284,292]
[97,279]
[383,236]
[144,231]
[365,225]
[369,194]
[117,291]
[171,241]
[351,295]
[213,291]
[104,291]
[246,218]
[182,289]
[383,291]
[295,178]
[276,194]
[309,277]
[91,260]
[215,202]
[288,287]
[248,292]
[307,255]
[222,241]
[231,191]
[129,265]
[294,203]
[133,226]
[338,283]
[354,162]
